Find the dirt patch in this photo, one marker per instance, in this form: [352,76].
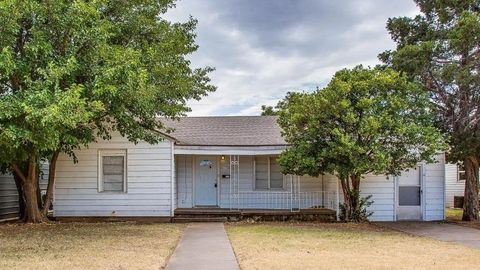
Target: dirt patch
[342,246]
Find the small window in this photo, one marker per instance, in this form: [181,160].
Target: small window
[461,172]
[112,171]
[268,174]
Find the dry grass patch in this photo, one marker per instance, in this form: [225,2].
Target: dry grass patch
[343,246]
[125,245]
[454,215]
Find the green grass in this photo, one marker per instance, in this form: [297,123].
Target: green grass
[454,214]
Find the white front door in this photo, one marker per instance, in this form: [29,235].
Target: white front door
[205,181]
[409,206]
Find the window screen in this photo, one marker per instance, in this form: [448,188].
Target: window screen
[409,196]
[261,172]
[461,173]
[268,174]
[113,173]
[276,176]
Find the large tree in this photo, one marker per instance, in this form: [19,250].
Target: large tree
[365,121]
[72,71]
[441,48]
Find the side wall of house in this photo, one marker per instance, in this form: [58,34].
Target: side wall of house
[453,187]
[148,180]
[8,197]
[434,190]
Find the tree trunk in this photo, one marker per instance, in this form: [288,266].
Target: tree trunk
[29,183]
[470,204]
[51,183]
[21,199]
[351,195]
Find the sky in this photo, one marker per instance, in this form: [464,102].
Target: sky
[262,49]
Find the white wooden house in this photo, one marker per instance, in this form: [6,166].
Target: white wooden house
[454,185]
[227,163]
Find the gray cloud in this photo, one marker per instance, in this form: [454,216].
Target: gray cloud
[264,48]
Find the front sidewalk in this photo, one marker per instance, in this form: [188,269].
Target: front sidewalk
[204,246]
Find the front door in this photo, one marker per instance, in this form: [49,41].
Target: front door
[409,205]
[205,181]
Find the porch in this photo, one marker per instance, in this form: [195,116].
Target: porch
[223,215]
[249,186]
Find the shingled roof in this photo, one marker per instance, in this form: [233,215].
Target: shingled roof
[227,131]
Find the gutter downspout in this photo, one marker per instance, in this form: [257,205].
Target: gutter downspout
[338,200]
[172,204]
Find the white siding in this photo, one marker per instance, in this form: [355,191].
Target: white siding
[149,182]
[453,187]
[381,187]
[382,190]
[434,190]
[184,175]
[8,197]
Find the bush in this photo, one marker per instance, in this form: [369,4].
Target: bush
[360,213]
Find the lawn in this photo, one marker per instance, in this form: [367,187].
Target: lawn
[342,246]
[124,245]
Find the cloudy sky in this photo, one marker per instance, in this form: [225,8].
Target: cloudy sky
[262,49]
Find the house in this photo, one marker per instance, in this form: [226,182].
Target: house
[454,185]
[9,207]
[226,163]
[8,197]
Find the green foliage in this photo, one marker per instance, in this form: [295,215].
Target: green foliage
[440,48]
[364,121]
[360,213]
[268,111]
[74,70]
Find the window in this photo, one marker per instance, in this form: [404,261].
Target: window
[112,171]
[461,172]
[268,174]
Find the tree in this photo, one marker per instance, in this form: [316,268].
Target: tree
[73,71]
[364,121]
[441,49]
[268,111]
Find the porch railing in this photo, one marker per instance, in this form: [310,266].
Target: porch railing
[287,200]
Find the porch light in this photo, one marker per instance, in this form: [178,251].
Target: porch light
[222,157]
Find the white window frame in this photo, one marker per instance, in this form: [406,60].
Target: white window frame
[268,176]
[111,153]
[460,171]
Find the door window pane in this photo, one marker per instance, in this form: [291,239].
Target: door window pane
[409,196]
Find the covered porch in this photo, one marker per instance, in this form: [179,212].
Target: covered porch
[247,182]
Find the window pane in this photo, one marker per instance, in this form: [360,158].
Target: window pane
[409,196]
[276,176]
[113,173]
[261,172]
[461,172]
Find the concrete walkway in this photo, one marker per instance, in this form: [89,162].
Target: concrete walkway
[204,246]
[440,231]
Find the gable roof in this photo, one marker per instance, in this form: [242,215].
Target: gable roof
[227,131]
